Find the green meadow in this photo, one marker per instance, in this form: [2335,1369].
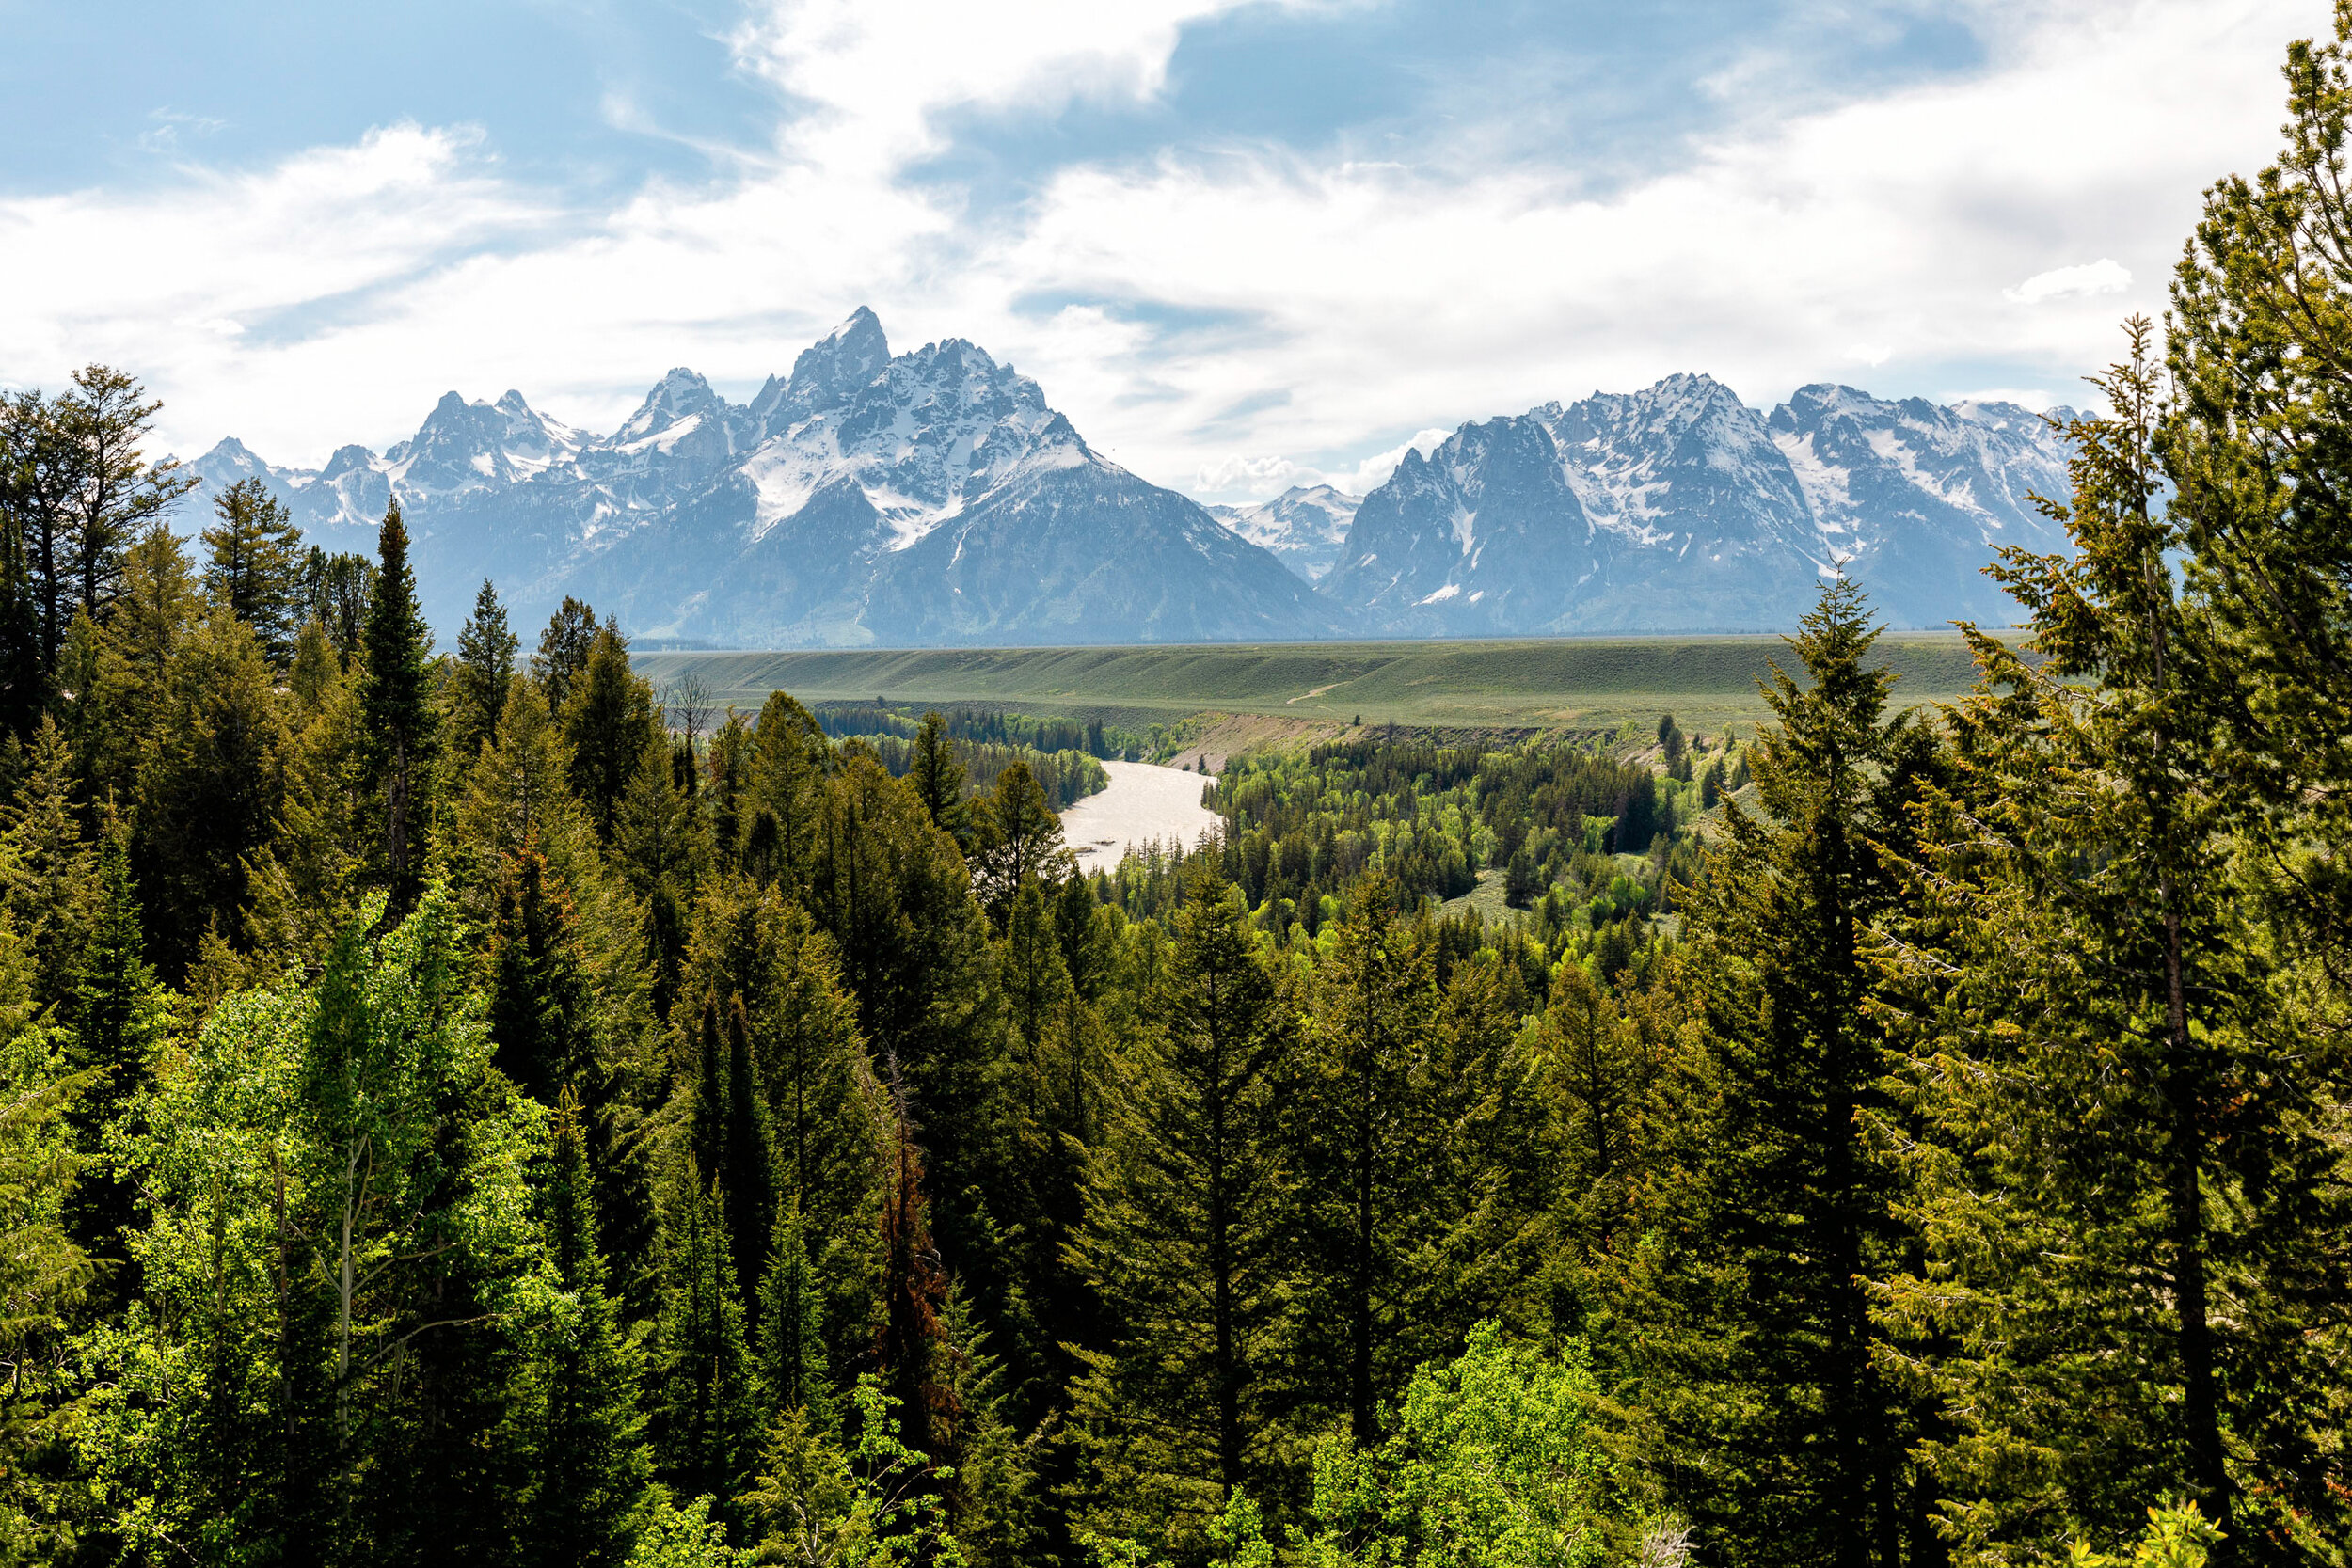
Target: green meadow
[1580,682]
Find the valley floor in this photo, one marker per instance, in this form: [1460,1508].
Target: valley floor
[1531,684]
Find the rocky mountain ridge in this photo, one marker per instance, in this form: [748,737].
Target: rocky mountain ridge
[935,497]
[1680,508]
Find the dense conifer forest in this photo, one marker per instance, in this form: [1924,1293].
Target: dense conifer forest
[463,1106]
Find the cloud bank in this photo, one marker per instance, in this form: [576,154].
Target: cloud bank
[1226,314]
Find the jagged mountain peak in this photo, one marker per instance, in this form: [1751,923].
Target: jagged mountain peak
[353,458]
[681,395]
[830,370]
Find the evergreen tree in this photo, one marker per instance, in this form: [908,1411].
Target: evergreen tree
[316,668]
[562,652]
[45,1275]
[791,760]
[120,1017]
[52,883]
[212,788]
[791,1336]
[1017,839]
[2120,1076]
[607,718]
[704,1420]
[1362,1137]
[393,691]
[116,495]
[485,668]
[938,775]
[336,591]
[889,889]
[589,1471]
[1183,1240]
[1785,1215]
[914,1288]
[254,565]
[539,1001]
[24,676]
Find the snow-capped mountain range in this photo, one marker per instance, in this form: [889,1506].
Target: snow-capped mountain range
[929,497]
[1680,508]
[934,498]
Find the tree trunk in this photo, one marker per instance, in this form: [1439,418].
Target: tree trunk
[2200,1406]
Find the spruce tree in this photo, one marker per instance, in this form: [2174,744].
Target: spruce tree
[53,885]
[1360,1138]
[212,786]
[705,1419]
[2255,451]
[117,494]
[254,565]
[589,1470]
[1017,839]
[394,689]
[1785,1214]
[938,775]
[539,1001]
[24,676]
[1183,1241]
[2131,1153]
[914,1288]
[563,651]
[485,668]
[120,1018]
[607,718]
[791,1335]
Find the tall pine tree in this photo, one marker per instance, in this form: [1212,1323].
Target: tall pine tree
[1184,1241]
[394,691]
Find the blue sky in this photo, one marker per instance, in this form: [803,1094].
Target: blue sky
[1242,245]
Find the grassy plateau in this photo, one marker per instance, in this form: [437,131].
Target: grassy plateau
[1580,682]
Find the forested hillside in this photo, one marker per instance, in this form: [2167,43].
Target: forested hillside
[465,1106]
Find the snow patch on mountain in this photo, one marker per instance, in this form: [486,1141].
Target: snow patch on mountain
[1305,527]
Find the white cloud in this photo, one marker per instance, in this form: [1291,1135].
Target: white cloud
[2105,276]
[1373,471]
[332,297]
[2032,398]
[1252,476]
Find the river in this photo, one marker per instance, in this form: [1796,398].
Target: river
[1144,802]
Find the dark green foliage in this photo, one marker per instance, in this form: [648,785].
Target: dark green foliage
[607,718]
[791,1336]
[582,1142]
[23,676]
[398,723]
[2093,929]
[581,1427]
[336,591]
[1017,839]
[539,1001]
[485,668]
[1361,1134]
[1184,1241]
[1782,1212]
[938,775]
[704,1420]
[253,565]
[562,652]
